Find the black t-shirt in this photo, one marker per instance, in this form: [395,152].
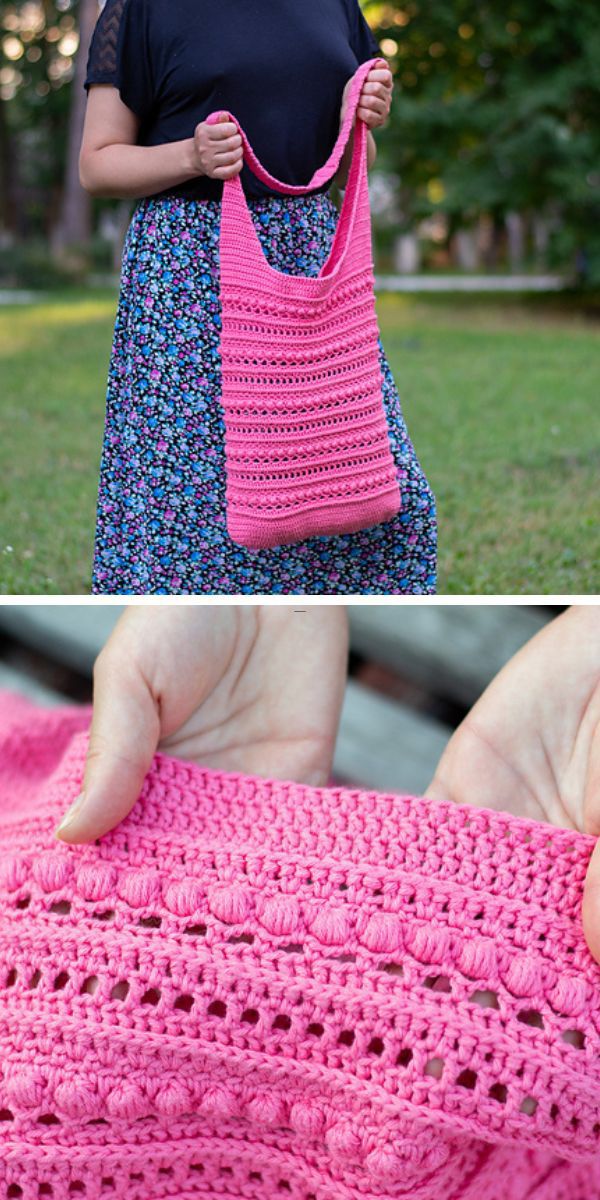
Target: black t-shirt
[279,66]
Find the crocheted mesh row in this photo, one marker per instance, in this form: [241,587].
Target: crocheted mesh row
[258,989]
[307,447]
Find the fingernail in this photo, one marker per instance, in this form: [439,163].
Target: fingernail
[70,814]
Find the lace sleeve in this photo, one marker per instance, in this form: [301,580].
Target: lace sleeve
[119,54]
[102,53]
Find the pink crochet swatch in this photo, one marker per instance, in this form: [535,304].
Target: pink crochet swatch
[256,989]
[307,446]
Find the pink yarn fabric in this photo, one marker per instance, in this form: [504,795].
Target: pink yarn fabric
[306,439]
[257,989]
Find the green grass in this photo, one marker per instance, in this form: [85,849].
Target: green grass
[500,398]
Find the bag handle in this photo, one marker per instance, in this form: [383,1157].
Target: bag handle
[329,168]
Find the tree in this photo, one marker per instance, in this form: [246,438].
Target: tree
[496,110]
[73,226]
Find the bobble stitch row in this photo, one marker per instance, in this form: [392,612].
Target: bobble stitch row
[127,1100]
[14,871]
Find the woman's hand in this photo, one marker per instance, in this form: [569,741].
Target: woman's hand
[253,689]
[375,98]
[217,149]
[531,744]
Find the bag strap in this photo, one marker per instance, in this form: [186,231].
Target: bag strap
[330,167]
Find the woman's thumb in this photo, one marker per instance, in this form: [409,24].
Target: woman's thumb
[123,739]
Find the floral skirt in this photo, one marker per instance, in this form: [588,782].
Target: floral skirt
[161,517]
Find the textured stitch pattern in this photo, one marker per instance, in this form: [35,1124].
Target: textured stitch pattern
[257,989]
[306,438]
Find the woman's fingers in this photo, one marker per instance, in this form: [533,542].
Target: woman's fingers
[123,738]
[591,904]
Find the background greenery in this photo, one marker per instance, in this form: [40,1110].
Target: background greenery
[497,398]
[495,112]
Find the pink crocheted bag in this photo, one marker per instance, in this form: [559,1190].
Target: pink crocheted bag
[256,989]
[306,438]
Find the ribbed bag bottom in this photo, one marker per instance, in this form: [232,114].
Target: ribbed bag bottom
[324,520]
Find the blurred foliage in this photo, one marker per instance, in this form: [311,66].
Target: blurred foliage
[39,40]
[496,109]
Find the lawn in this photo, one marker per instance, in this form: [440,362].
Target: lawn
[500,397]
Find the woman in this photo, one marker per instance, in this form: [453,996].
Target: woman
[154,73]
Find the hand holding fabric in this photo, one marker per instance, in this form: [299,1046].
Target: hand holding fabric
[251,689]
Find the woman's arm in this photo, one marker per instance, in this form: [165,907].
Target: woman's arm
[373,108]
[341,175]
[112,165]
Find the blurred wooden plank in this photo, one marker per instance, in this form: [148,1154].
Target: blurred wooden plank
[25,685]
[67,633]
[384,745]
[452,650]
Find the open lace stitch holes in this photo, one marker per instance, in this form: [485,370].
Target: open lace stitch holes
[151,996]
[375,1047]
[485,999]
[14,1189]
[498,1091]
[45,1189]
[293,948]
[77,1185]
[574,1037]
[316,1029]
[250,1016]
[6,1115]
[528,1106]
[195,930]
[184,1003]
[89,985]
[248,938]
[48,1119]
[108,1181]
[282,1021]
[217,1008]
[150,922]
[554,1111]
[62,908]
[11,978]
[404,1058]
[35,979]
[24,902]
[438,983]
[346,1037]
[391,968]
[198,1167]
[530,1016]
[108,914]
[435,1068]
[467,1079]
[120,990]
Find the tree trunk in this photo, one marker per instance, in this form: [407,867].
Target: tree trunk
[8,208]
[72,231]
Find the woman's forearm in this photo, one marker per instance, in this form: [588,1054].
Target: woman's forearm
[129,172]
[123,172]
[341,175]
